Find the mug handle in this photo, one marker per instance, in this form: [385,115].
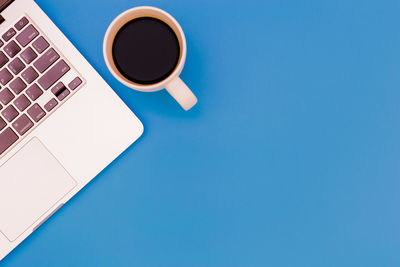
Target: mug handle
[182,94]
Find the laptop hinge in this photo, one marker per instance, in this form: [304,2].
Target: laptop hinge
[4,4]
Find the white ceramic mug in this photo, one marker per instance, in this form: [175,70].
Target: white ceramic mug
[174,85]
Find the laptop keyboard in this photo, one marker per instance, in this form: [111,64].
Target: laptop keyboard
[31,71]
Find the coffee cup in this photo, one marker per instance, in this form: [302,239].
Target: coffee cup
[145,49]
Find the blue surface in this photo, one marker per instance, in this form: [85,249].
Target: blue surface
[290,158]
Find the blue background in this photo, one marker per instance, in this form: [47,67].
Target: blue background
[290,158]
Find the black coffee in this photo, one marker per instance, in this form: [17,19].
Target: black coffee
[146,50]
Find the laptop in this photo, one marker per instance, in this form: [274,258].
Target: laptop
[60,123]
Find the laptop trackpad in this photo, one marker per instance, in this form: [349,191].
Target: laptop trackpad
[31,183]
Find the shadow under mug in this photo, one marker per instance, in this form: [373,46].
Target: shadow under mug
[173,84]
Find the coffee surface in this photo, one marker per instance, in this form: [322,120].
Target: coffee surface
[146,50]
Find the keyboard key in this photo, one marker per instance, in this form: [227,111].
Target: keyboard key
[16,66]
[29,75]
[27,35]
[75,83]
[40,44]
[7,139]
[10,113]
[45,61]
[1,43]
[28,55]
[5,76]
[50,105]
[36,112]
[21,24]
[22,124]
[3,59]
[2,124]
[17,85]
[9,34]
[58,88]
[60,91]
[6,96]
[12,49]
[54,74]
[22,102]
[34,92]
[63,94]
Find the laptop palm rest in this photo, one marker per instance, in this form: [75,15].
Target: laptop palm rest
[31,183]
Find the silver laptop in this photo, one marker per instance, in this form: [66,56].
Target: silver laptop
[60,123]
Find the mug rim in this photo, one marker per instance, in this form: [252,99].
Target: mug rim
[108,41]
